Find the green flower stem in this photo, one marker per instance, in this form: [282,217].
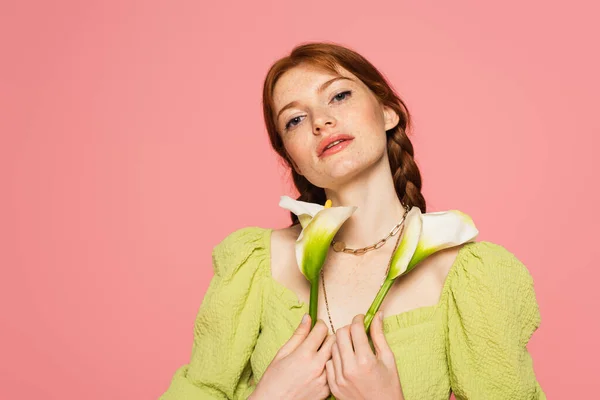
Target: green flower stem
[383,291]
[314,301]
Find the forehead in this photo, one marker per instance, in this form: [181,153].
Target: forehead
[304,80]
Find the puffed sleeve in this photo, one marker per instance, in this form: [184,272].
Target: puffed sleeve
[492,313]
[227,324]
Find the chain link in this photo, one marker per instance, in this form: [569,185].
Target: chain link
[340,246]
[395,230]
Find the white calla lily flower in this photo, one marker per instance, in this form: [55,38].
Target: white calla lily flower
[423,235]
[442,230]
[319,226]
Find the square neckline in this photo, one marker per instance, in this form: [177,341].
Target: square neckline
[391,323]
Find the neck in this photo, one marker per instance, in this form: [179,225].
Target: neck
[379,208]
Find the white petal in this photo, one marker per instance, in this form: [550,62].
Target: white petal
[304,220]
[447,229]
[314,241]
[442,230]
[411,234]
[299,207]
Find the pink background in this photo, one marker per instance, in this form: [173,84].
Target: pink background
[132,142]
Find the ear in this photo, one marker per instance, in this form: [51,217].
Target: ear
[390,117]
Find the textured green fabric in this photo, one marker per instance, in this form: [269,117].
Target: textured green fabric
[472,343]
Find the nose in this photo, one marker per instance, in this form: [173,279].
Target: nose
[322,123]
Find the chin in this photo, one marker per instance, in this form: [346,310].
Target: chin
[345,166]
[341,172]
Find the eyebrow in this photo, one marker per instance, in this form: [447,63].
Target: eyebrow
[321,88]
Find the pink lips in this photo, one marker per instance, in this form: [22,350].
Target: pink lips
[321,149]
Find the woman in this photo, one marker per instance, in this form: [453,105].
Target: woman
[459,322]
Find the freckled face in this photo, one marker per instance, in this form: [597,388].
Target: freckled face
[320,110]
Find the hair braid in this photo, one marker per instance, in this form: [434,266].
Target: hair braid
[405,172]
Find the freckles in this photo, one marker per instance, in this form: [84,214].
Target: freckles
[299,151]
[364,118]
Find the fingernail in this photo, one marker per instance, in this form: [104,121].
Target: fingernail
[381,315]
[305,318]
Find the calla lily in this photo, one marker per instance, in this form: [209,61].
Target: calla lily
[423,235]
[319,226]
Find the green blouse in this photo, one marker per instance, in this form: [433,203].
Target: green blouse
[472,343]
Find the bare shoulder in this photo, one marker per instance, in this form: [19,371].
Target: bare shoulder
[284,237]
[283,251]
[435,268]
[287,233]
[442,261]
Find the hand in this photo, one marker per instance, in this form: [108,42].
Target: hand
[360,374]
[298,369]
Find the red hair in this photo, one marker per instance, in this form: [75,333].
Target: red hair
[329,56]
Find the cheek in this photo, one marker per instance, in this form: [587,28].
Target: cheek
[298,150]
[367,117]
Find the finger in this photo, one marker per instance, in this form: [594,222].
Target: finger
[337,363]
[344,343]
[316,336]
[297,337]
[324,352]
[326,389]
[359,337]
[331,380]
[379,342]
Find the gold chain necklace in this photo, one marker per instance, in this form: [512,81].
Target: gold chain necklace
[382,282]
[341,246]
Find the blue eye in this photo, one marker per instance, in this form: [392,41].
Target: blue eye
[296,120]
[344,94]
[287,126]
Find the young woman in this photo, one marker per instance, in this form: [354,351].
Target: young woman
[459,322]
